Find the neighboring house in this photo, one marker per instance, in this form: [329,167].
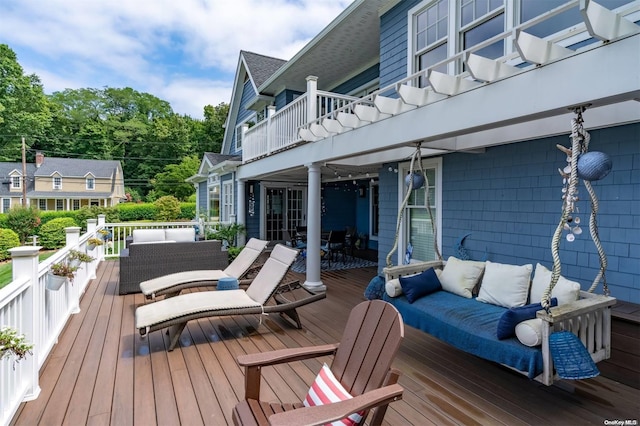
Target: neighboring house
[486,89]
[62,183]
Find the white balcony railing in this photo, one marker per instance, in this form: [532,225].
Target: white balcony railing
[318,115]
[40,314]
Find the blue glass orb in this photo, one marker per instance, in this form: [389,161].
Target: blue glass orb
[594,165]
[418,180]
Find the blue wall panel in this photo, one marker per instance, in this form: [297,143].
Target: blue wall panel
[202,197]
[247,94]
[361,79]
[393,43]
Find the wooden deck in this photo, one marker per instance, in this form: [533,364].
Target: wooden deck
[101,372]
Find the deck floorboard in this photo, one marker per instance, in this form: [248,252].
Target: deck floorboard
[102,372]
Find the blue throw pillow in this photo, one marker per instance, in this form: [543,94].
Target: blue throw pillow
[514,316]
[420,285]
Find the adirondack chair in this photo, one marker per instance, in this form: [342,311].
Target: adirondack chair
[361,363]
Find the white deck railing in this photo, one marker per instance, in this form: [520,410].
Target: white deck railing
[40,314]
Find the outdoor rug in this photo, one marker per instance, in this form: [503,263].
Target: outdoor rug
[300,264]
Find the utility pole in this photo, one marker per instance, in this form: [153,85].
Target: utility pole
[24,174]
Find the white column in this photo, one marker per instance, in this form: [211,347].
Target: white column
[25,263]
[312,93]
[313,282]
[241,211]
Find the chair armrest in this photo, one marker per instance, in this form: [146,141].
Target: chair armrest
[280,356]
[323,414]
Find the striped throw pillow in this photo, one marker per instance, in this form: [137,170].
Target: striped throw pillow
[327,389]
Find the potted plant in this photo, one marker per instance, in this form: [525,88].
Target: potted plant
[77,257]
[93,242]
[59,273]
[13,344]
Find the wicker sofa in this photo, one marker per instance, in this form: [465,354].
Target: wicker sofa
[156,252]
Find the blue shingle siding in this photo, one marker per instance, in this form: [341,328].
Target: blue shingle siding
[340,208]
[388,213]
[285,97]
[393,43]
[361,79]
[243,113]
[202,197]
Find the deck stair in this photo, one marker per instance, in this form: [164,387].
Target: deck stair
[488,70]
[391,106]
[369,113]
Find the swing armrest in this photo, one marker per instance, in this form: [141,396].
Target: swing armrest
[587,303]
[412,268]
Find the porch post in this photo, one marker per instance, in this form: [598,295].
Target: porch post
[312,93]
[271,110]
[25,263]
[313,282]
[241,212]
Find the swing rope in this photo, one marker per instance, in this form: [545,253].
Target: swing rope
[416,157]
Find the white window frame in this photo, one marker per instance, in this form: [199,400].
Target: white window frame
[59,205]
[6,208]
[42,204]
[239,136]
[226,201]
[57,182]
[90,183]
[403,168]
[75,204]
[16,182]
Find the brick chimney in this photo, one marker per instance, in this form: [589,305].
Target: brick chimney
[39,158]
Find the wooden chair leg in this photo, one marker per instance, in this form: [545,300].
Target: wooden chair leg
[378,413]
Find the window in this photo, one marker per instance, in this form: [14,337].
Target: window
[214,203]
[42,204]
[76,204]
[94,203]
[57,182]
[430,36]
[91,183]
[59,204]
[6,205]
[227,201]
[16,182]
[481,20]
[417,223]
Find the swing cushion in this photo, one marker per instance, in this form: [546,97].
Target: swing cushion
[511,318]
[565,291]
[505,285]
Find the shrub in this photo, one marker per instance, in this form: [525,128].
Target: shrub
[187,211]
[168,208]
[227,233]
[52,234]
[8,239]
[23,221]
[132,212]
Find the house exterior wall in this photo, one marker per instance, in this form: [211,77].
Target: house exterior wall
[393,43]
[203,198]
[359,80]
[509,199]
[248,93]
[285,97]
[252,223]
[72,184]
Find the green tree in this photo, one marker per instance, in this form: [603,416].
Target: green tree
[172,180]
[23,221]
[168,208]
[24,109]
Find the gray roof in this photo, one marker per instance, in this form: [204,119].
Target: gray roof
[219,158]
[69,194]
[75,167]
[261,67]
[5,181]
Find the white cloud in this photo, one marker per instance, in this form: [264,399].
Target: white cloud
[186,50]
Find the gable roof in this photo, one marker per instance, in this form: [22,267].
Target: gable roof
[5,181]
[75,167]
[261,67]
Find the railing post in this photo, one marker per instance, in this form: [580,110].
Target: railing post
[73,239]
[25,263]
[271,110]
[312,102]
[92,224]
[102,219]
[98,251]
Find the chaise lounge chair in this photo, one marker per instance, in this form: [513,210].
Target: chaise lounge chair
[172,284]
[175,312]
[361,364]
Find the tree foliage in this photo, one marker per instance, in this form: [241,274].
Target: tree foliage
[140,130]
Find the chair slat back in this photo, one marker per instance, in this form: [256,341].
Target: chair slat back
[369,344]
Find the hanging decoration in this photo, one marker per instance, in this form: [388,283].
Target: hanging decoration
[252,202]
[594,166]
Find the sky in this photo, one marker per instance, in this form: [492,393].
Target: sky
[182,51]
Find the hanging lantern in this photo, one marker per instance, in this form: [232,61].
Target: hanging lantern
[418,180]
[593,165]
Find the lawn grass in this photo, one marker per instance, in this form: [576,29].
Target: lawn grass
[6,269]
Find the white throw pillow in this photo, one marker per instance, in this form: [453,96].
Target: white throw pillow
[505,285]
[393,288]
[461,276]
[147,235]
[529,332]
[180,235]
[565,291]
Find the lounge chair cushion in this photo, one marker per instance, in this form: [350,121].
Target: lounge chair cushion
[273,271]
[160,283]
[246,257]
[327,389]
[190,303]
